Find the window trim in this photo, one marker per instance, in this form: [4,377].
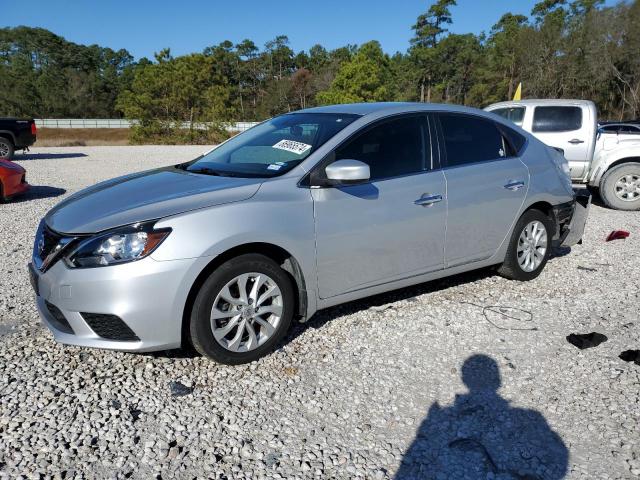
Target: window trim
[306,181]
[533,119]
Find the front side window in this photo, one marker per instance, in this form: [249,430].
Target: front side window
[515,114]
[271,148]
[470,139]
[391,149]
[557,119]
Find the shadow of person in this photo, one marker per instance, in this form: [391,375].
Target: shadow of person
[482,436]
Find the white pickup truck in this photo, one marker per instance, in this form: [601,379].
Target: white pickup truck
[609,165]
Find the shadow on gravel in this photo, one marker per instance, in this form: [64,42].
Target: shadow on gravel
[37,192]
[482,436]
[48,156]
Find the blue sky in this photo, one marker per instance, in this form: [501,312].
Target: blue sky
[144,26]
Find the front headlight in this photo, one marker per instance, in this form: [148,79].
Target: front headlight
[121,245]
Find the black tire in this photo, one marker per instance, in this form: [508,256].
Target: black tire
[6,149]
[511,268]
[608,186]
[200,331]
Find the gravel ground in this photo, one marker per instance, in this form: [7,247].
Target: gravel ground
[412,384]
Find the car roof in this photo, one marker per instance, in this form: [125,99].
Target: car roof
[387,107]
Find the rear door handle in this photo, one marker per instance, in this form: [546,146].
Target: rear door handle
[513,186]
[428,200]
[576,141]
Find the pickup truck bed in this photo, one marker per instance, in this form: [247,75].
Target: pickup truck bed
[16,134]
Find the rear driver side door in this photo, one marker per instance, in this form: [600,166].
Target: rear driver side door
[486,186]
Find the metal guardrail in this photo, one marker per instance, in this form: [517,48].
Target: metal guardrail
[117,123]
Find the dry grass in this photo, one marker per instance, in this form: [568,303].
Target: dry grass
[81,137]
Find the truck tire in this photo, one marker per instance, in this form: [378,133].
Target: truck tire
[529,247]
[620,187]
[6,148]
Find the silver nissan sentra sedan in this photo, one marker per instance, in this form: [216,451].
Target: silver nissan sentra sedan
[304,211]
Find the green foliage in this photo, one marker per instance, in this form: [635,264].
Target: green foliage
[565,49]
[366,78]
[43,75]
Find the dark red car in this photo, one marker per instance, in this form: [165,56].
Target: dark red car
[12,180]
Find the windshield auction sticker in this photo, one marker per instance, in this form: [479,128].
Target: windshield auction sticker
[291,146]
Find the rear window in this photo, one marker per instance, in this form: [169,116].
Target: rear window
[515,140]
[515,114]
[470,139]
[557,119]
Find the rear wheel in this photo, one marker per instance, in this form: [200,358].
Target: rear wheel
[242,310]
[6,148]
[529,247]
[620,187]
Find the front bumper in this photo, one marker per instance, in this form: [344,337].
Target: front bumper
[147,296]
[571,219]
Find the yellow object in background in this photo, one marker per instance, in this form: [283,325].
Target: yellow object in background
[518,95]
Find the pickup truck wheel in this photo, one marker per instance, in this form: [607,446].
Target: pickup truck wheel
[620,187]
[242,310]
[6,149]
[529,247]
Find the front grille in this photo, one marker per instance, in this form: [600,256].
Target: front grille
[109,327]
[48,246]
[59,321]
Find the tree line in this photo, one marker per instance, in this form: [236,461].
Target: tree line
[564,49]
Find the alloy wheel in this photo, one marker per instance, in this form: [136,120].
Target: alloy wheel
[532,246]
[4,149]
[246,312]
[627,188]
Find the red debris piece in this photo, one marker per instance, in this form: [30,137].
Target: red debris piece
[618,235]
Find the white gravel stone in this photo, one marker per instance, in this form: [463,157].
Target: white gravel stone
[371,389]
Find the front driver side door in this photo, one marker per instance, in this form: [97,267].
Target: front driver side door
[387,229]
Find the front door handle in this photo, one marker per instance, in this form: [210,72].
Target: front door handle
[513,186]
[576,141]
[428,200]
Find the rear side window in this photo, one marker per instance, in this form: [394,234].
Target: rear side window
[514,140]
[557,119]
[515,114]
[391,149]
[470,139]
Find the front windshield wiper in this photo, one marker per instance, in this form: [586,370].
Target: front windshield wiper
[211,171]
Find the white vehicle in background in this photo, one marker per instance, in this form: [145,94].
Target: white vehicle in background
[606,161]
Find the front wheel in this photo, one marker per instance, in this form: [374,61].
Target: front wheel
[620,187]
[529,247]
[242,310]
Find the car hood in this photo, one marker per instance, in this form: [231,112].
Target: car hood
[9,165]
[145,196]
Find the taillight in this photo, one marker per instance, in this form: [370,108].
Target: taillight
[34,129]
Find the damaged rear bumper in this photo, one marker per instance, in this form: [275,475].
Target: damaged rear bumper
[571,219]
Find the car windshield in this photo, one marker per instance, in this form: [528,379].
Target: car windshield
[271,148]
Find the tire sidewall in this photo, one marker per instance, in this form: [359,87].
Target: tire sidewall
[512,254]
[200,327]
[607,189]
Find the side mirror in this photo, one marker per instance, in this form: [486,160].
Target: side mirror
[346,172]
